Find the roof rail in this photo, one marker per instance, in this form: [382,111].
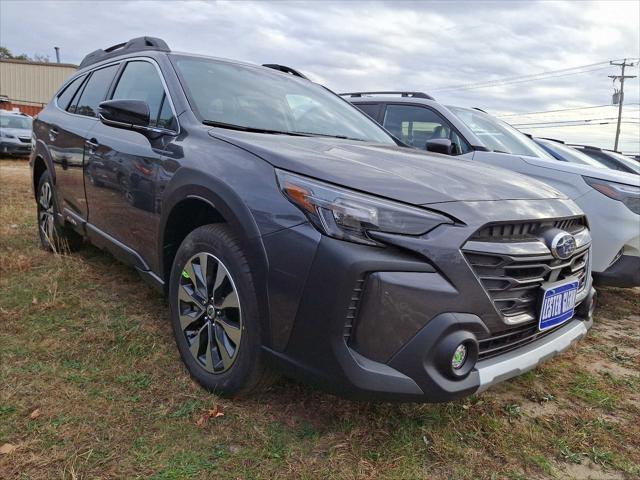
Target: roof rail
[553,140]
[285,69]
[479,109]
[134,45]
[590,147]
[402,94]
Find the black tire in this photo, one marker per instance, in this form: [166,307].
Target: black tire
[53,236]
[246,372]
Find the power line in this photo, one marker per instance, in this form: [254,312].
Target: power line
[580,125]
[514,82]
[526,78]
[526,114]
[584,120]
[518,77]
[521,78]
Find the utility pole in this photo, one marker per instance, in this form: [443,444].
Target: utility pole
[620,77]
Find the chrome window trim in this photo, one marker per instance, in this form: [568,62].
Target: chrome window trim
[87,73]
[118,62]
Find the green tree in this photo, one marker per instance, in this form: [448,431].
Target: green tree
[6,53]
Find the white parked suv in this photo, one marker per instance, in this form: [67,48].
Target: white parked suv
[610,199]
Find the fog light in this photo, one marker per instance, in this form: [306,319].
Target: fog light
[459,357]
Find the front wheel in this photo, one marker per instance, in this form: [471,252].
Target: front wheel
[53,237]
[214,312]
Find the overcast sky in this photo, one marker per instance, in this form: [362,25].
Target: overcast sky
[425,46]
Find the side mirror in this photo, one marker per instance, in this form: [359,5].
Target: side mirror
[440,145]
[129,114]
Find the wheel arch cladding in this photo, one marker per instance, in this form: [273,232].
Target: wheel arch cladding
[39,167]
[41,163]
[192,200]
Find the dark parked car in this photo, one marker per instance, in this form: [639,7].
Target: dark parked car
[289,229]
[610,159]
[563,152]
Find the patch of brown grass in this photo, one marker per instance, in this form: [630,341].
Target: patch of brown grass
[88,345]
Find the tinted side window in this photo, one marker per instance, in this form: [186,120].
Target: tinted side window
[165,116]
[140,81]
[416,125]
[64,98]
[370,109]
[95,91]
[73,105]
[602,158]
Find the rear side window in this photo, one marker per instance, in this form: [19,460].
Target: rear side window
[95,91]
[141,81]
[64,99]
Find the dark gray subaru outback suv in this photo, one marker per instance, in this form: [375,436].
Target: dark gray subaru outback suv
[290,231]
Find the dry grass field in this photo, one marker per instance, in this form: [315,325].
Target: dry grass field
[91,386]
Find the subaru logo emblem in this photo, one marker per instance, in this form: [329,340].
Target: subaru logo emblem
[563,245]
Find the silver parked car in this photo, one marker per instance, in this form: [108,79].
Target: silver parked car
[15,133]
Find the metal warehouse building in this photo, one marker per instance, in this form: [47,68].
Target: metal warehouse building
[28,86]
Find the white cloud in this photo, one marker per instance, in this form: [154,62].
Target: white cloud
[377,45]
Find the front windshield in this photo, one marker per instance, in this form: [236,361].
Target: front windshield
[497,135]
[570,154]
[256,98]
[15,121]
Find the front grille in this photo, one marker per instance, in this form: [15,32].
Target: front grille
[511,339]
[504,232]
[513,282]
[512,262]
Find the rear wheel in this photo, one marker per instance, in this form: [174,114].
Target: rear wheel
[214,312]
[53,237]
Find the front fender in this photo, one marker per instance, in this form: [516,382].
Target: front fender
[191,184]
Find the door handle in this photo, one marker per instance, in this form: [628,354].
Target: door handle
[92,145]
[53,133]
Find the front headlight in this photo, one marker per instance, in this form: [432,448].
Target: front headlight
[348,215]
[6,135]
[627,194]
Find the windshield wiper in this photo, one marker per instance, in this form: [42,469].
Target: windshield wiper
[243,128]
[328,135]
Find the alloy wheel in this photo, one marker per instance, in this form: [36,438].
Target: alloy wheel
[210,314]
[45,212]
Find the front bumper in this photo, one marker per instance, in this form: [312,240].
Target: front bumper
[11,148]
[512,364]
[614,228]
[372,323]
[624,272]
[416,372]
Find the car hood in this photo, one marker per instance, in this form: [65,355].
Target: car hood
[394,172]
[17,132]
[585,170]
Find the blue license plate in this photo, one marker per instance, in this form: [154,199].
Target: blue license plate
[558,302]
